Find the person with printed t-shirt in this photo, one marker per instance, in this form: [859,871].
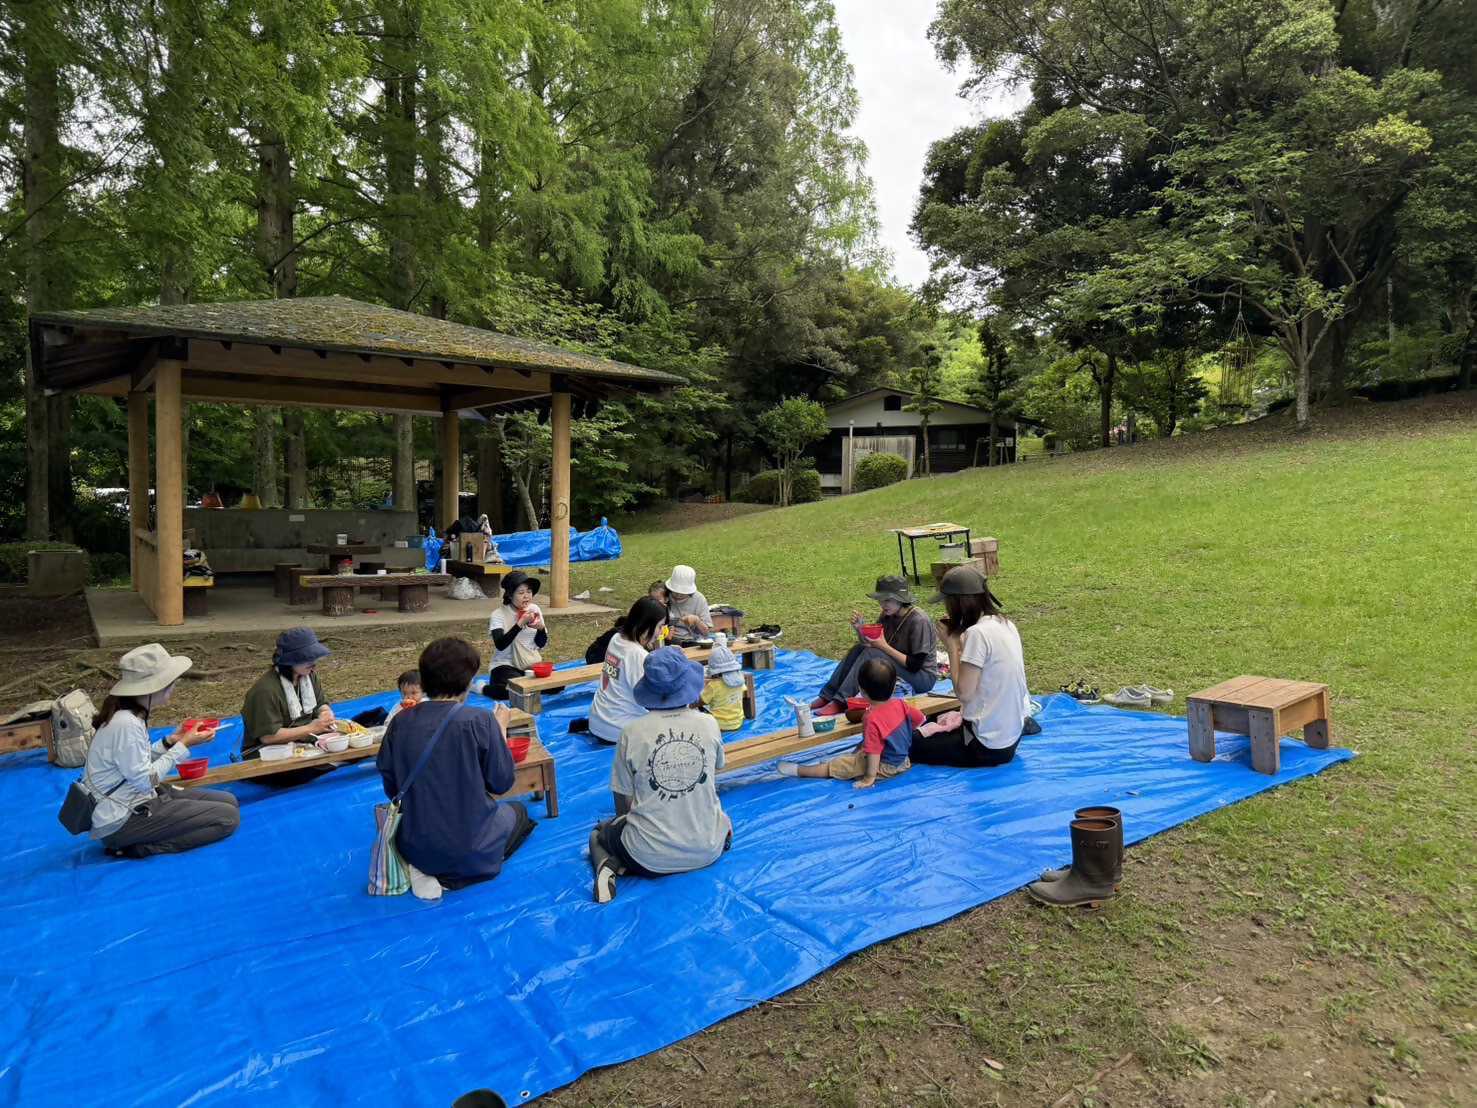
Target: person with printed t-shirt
[517,632]
[989,670]
[615,703]
[909,641]
[664,781]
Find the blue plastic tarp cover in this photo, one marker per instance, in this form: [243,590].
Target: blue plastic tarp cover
[535,548]
[258,970]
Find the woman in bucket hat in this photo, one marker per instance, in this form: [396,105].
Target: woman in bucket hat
[664,781]
[909,641]
[134,817]
[287,703]
[989,670]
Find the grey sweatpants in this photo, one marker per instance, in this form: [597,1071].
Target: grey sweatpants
[176,821]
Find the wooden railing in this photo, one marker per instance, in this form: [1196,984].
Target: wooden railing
[146,566]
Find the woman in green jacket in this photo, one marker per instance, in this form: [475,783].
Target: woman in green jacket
[287,703]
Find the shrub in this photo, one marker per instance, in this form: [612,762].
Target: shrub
[764,487]
[875,471]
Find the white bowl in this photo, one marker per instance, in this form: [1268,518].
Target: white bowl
[334,744]
[359,742]
[277,752]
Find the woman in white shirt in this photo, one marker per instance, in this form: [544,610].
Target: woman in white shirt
[134,817]
[989,671]
[615,702]
[517,633]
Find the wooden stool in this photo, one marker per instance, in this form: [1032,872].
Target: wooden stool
[1263,709]
[281,578]
[296,592]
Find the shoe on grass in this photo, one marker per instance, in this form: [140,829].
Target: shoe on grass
[1128,697]
[1160,697]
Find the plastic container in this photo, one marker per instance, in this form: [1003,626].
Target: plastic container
[872,630]
[543,669]
[277,752]
[192,768]
[359,742]
[824,725]
[191,725]
[519,749]
[334,744]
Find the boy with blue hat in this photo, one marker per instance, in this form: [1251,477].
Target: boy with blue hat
[664,780]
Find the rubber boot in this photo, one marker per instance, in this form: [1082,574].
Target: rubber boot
[1097,811]
[1094,866]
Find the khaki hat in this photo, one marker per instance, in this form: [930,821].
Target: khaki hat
[148,669]
[962,580]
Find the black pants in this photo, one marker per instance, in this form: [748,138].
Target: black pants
[497,682]
[843,681]
[960,748]
[176,821]
[610,838]
[516,838]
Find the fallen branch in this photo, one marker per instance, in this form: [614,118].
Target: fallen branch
[35,675]
[1081,1089]
[212,674]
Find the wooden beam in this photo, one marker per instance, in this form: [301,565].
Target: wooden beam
[138,478]
[169,486]
[451,470]
[559,499]
[331,366]
[249,389]
[458,399]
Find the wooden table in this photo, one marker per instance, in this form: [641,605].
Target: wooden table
[1263,709]
[478,571]
[527,692]
[412,590]
[780,744]
[927,531]
[535,774]
[351,550]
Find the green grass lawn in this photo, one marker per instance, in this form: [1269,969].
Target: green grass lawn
[1317,941]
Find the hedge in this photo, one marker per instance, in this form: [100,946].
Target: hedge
[102,569]
[877,470]
[764,487]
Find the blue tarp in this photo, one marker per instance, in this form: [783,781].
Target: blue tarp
[259,967]
[534,548]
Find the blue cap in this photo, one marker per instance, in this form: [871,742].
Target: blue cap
[671,680]
[297,646]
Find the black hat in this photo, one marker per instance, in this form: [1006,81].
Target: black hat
[893,587]
[964,579]
[516,578]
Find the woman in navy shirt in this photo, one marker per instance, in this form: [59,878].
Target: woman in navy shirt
[452,826]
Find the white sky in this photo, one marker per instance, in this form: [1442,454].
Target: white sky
[908,100]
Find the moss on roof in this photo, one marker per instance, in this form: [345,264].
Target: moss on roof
[352,326]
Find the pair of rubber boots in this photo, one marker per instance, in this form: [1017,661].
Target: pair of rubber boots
[1097,862]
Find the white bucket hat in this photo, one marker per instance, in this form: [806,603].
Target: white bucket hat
[148,669]
[683,580]
[722,662]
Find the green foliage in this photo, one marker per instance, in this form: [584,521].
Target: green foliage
[764,487]
[875,471]
[789,427]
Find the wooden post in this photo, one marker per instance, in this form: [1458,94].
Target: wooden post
[559,499]
[138,477]
[169,486]
[451,470]
[1202,730]
[1265,745]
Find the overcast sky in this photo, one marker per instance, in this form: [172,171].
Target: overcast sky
[908,100]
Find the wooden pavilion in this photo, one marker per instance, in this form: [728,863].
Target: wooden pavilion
[310,352]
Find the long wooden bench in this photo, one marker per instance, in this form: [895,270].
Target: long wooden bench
[779,744]
[527,692]
[412,591]
[535,774]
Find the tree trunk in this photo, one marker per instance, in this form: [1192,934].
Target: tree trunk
[927,453]
[399,142]
[41,184]
[990,458]
[403,469]
[264,456]
[295,455]
[1105,395]
[728,467]
[490,479]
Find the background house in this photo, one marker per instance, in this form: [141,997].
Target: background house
[874,422]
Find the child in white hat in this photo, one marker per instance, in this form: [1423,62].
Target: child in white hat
[687,609]
[723,692]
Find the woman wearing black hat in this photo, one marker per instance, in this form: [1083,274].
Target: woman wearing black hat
[909,641]
[989,671]
[517,633]
[287,703]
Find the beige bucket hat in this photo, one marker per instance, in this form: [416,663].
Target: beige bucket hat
[148,669]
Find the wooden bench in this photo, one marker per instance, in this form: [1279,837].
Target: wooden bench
[412,590]
[535,774]
[1261,708]
[479,571]
[27,734]
[527,692]
[780,744]
[196,595]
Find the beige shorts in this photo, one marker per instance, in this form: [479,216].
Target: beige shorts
[848,767]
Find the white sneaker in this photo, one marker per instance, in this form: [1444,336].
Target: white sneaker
[1157,696]
[604,885]
[423,885]
[1128,697]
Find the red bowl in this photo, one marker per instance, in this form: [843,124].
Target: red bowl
[192,768]
[543,669]
[856,708]
[519,749]
[872,630]
[201,725]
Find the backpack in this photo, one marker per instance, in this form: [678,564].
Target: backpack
[71,729]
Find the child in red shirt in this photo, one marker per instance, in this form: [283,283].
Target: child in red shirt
[887,734]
